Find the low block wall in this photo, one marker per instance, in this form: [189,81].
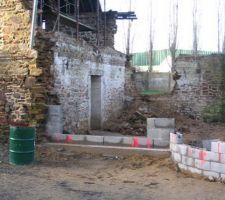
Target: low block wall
[210,164]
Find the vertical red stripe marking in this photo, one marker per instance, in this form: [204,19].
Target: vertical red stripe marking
[135,142]
[189,152]
[202,155]
[219,151]
[69,138]
[149,143]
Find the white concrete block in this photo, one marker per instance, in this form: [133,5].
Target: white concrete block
[211,156]
[113,139]
[194,170]
[188,161]
[177,157]
[173,138]
[79,138]
[94,139]
[210,174]
[183,149]
[174,147]
[202,164]
[182,166]
[218,167]
[218,147]
[221,157]
[164,122]
[127,141]
[59,137]
[151,122]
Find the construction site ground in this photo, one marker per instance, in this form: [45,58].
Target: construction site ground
[133,120]
[61,173]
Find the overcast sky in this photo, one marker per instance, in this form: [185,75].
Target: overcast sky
[140,27]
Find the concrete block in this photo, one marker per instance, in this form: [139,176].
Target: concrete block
[161,143]
[202,164]
[113,139]
[159,133]
[164,122]
[211,156]
[174,147]
[145,142]
[182,166]
[176,157]
[127,141]
[183,149]
[218,167]
[221,157]
[188,161]
[207,144]
[194,152]
[151,122]
[211,175]
[58,137]
[94,139]
[79,138]
[194,170]
[173,138]
[218,147]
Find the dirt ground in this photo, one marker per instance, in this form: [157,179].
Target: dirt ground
[133,120]
[59,173]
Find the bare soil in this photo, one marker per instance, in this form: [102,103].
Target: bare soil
[59,173]
[132,121]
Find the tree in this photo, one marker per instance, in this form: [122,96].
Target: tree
[196,28]
[151,37]
[173,31]
[151,43]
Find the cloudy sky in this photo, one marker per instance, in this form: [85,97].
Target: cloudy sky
[140,27]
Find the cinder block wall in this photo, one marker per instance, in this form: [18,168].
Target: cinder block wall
[210,164]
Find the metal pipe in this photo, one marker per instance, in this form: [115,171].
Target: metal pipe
[33,23]
[104,22]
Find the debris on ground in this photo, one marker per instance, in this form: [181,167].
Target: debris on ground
[133,120]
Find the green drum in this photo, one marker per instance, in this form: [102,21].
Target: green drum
[21,145]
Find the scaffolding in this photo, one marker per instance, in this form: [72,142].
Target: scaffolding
[70,10]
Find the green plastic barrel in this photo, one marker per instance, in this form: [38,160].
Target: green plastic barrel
[21,145]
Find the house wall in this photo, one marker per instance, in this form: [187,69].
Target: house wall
[74,64]
[200,91]
[21,88]
[57,72]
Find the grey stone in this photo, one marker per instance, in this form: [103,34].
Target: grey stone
[218,167]
[202,164]
[94,139]
[113,139]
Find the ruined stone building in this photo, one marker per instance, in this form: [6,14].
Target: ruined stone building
[72,63]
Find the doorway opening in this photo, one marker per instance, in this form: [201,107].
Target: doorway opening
[96,102]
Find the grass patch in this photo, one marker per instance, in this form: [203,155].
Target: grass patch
[153,92]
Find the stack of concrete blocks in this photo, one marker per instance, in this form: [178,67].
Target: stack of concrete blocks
[127,141]
[210,164]
[159,129]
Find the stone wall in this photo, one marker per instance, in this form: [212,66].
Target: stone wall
[58,71]
[209,163]
[200,90]
[74,64]
[20,74]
